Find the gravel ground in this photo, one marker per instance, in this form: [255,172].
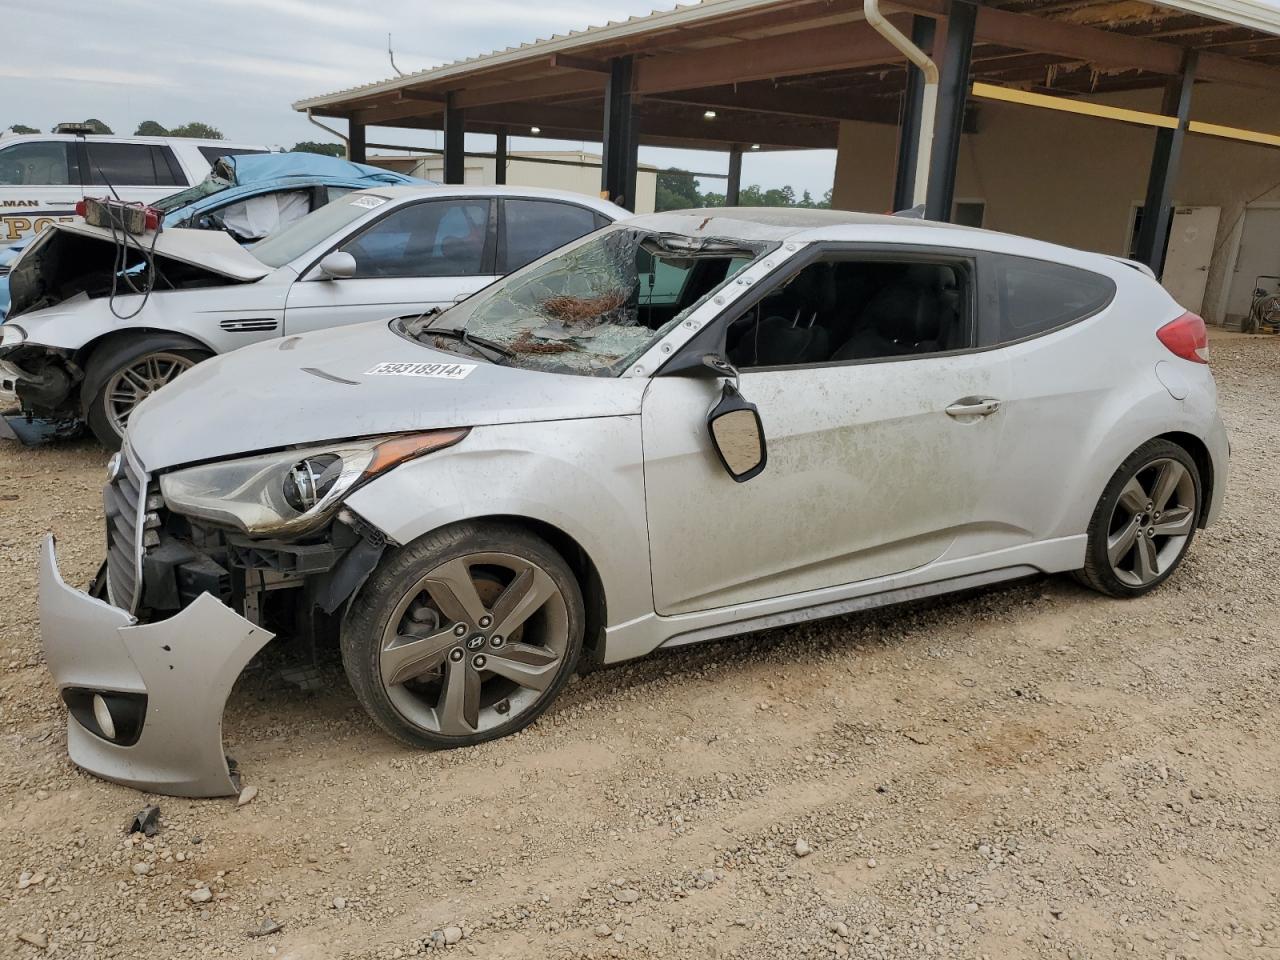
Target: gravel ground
[1028,771]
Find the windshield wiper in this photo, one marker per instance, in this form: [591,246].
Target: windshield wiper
[478,344]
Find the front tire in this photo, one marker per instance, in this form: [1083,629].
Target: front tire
[119,377]
[1145,521]
[463,636]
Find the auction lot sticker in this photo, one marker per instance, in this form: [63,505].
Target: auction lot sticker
[440,371]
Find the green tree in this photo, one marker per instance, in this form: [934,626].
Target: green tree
[324,149]
[676,190]
[197,130]
[149,128]
[23,128]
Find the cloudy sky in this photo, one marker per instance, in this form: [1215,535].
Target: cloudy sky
[239,64]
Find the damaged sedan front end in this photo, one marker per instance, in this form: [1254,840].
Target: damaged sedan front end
[65,289]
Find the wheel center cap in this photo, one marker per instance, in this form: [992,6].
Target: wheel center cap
[476,642]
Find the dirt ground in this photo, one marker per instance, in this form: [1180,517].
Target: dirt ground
[1027,771]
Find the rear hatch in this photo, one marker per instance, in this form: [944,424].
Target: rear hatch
[71,259]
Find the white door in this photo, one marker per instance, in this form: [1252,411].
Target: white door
[867,476]
[1258,257]
[420,255]
[39,185]
[1192,231]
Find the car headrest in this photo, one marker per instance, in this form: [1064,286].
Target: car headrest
[815,288]
[906,312]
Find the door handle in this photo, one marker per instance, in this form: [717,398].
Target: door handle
[973,407]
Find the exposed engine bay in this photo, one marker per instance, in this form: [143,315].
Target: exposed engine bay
[68,265]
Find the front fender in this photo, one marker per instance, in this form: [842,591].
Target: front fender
[583,477]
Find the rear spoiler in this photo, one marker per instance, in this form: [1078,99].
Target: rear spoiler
[1142,268]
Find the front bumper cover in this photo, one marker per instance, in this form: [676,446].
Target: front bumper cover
[185,667]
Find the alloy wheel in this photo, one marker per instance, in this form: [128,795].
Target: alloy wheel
[474,644]
[132,384]
[1152,522]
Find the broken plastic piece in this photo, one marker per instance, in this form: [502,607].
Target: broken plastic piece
[147,822]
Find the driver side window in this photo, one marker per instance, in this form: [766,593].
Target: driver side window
[849,309]
[438,238]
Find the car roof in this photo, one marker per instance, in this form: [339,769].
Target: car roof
[774,223]
[611,210]
[249,168]
[8,138]
[808,225]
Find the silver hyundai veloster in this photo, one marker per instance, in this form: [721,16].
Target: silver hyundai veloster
[682,427]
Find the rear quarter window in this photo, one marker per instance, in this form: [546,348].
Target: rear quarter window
[1032,297]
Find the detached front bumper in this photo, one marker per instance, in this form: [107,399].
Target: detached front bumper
[168,682]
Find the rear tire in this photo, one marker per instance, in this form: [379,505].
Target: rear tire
[463,636]
[1145,521]
[119,376]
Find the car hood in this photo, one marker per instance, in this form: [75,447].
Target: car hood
[59,253]
[319,387]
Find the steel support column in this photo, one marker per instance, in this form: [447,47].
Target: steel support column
[618,169]
[922,34]
[953,91]
[733,186]
[1153,235]
[500,157]
[454,148]
[355,142]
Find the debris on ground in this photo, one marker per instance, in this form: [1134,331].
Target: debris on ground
[146,822]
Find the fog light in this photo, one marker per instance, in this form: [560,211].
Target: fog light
[103,715]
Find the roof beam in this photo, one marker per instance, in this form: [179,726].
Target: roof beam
[807,51]
[422,96]
[555,120]
[1108,49]
[576,82]
[569,62]
[817,104]
[1082,43]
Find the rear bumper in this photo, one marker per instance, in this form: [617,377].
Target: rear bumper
[178,672]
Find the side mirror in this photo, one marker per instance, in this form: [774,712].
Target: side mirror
[338,265]
[737,434]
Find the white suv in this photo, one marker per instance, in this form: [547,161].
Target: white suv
[43,175]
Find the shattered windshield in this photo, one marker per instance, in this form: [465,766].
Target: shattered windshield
[205,188]
[593,307]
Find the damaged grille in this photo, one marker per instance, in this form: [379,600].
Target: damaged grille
[124,499]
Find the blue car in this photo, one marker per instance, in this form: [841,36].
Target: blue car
[250,196]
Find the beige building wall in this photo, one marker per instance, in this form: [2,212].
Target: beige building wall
[1077,180]
[521,172]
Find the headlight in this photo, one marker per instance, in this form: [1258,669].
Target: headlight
[291,491]
[11,335]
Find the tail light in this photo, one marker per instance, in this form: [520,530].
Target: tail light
[1186,337]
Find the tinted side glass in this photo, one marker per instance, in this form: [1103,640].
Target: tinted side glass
[38,164]
[1035,296]
[127,164]
[536,227]
[443,238]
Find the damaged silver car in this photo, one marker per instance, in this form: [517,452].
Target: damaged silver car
[684,427]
